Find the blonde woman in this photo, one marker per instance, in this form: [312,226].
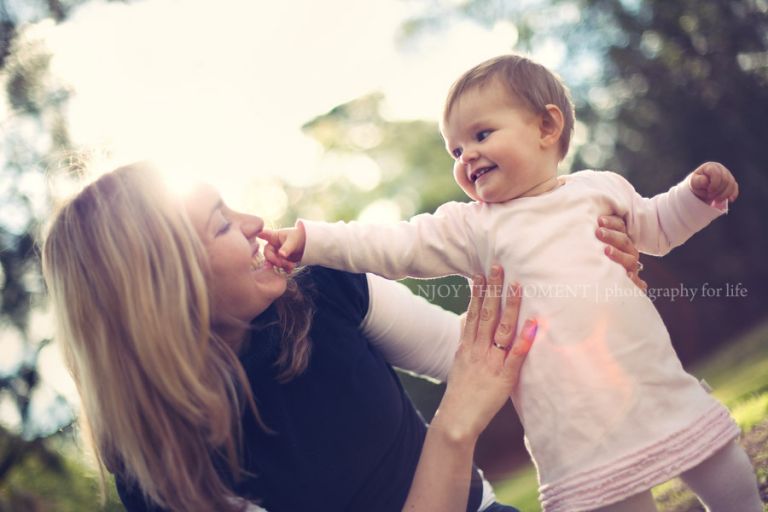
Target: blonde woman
[211,382]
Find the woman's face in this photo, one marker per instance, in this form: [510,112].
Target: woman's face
[242,283]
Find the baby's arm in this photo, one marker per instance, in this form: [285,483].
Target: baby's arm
[426,246]
[659,224]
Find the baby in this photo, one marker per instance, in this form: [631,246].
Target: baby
[607,408]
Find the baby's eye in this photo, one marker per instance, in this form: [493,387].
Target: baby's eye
[456,153]
[482,135]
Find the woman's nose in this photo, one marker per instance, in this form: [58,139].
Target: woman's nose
[251,225]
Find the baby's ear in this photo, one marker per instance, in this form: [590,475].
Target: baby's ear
[551,126]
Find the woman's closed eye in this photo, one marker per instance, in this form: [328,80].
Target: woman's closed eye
[223,223]
[224,228]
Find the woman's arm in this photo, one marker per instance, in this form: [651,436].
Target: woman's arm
[410,332]
[483,375]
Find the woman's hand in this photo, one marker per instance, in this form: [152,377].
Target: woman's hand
[485,373]
[488,361]
[621,249]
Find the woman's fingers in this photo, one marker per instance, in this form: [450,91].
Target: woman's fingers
[631,263]
[638,281]
[515,349]
[505,332]
[613,231]
[617,240]
[472,317]
[525,339]
[487,364]
[491,305]
[621,250]
[613,222]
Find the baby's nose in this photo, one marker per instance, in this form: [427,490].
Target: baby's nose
[468,156]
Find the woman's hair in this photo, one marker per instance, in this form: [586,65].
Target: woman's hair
[162,394]
[525,80]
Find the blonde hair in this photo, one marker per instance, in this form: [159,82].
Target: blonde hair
[161,393]
[526,81]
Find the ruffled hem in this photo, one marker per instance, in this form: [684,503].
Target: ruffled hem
[643,469]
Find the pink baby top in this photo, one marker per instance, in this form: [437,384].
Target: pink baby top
[607,408]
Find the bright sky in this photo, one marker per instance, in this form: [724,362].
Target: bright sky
[221,93]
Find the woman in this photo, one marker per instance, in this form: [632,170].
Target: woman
[207,378]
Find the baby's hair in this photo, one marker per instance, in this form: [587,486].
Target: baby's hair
[526,81]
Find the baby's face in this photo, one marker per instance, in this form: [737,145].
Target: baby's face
[496,145]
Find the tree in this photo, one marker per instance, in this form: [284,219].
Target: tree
[35,473]
[691,77]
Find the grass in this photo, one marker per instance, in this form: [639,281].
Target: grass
[738,374]
[519,489]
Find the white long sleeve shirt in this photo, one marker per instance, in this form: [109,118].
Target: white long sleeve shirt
[607,408]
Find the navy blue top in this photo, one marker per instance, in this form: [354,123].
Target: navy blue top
[346,436]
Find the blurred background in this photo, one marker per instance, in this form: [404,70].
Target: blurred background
[328,110]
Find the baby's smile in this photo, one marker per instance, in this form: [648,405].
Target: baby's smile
[475,175]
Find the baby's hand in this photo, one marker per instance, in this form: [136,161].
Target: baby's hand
[285,246]
[712,182]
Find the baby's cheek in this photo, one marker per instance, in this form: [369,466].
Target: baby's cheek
[461,179]
[460,176]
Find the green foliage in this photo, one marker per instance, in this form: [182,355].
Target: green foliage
[53,477]
[27,144]
[34,474]
[691,78]
[416,171]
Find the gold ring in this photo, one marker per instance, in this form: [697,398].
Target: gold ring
[501,347]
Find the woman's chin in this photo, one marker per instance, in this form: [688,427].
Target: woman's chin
[275,278]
